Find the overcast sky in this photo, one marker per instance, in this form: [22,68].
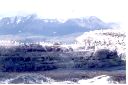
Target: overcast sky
[107,10]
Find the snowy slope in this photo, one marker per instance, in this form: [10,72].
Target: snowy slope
[103,79]
[39,79]
[113,39]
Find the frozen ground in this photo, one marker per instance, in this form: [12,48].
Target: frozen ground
[112,39]
[65,77]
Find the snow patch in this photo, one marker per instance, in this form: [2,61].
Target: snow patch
[103,79]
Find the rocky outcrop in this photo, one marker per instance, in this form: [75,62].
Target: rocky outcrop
[21,59]
[39,48]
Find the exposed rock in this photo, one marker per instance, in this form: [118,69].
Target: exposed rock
[55,57]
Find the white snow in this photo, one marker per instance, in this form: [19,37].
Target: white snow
[113,39]
[18,21]
[8,43]
[103,79]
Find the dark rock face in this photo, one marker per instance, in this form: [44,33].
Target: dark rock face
[105,58]
[105,54]
[39,48]
[30,58]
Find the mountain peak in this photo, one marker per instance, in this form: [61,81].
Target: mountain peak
[34,25]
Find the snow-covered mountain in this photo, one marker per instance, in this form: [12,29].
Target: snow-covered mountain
[32,25]
[112,39]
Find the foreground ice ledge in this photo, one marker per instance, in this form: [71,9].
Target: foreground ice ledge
[102,79]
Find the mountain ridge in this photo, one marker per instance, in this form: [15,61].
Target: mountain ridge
[33,25]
